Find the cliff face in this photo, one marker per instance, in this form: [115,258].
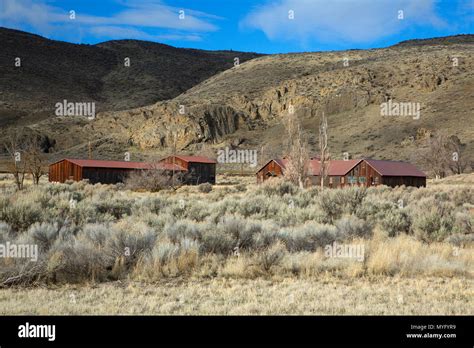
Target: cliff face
[249,100]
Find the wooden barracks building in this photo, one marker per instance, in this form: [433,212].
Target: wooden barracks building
[357,172]
[196,169]
[199,169]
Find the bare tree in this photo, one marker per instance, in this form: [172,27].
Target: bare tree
[15,147]
[323,150]
[174,134]
[297,157]
[435,154]
[458,162]
[35,159]
[153,179]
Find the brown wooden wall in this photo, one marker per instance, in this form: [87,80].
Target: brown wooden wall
[106,175]
[64,170]
[272,169]
[361,175]
[201,172]
[177,161]
[404,180]
[198,172]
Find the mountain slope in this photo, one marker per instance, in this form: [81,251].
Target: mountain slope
[52,71]
[245,104]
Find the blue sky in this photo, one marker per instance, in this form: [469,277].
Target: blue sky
[266,26]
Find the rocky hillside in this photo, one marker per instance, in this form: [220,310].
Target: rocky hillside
[245,104]
[52,71]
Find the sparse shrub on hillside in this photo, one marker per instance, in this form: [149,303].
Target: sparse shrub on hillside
[127,246]
[257,205]
[217,242]
[44,235]
[271,257]
[374,208]
[351,226]
[115,206]
[205,187]
[183,229]
[330,205]
[21,213]
[395,221]
[154,204]
[351,198]
[74,261]
[276,187]
[232,226]
[198,211]
[308,237]
[433,220]
[97,234]
[464,222]
[462,196]
[265,238]
[460,240]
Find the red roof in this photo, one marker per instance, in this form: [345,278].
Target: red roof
[123,164]
[281,162]
[198,159]
[341,167]
[395,168]
[336,167]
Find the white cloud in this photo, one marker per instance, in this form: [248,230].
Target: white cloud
[134,19]
[341,20]
[133,33]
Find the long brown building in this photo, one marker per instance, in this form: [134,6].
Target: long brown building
[99,171]
[194,169]
[357,172]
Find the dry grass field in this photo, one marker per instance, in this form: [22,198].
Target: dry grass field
[325,295]
[239,249]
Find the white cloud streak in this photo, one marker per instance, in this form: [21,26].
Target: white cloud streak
[346,21]
[132,22]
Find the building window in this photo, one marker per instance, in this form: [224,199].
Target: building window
[342,180]
[376,180]
[330,179]
[362,179]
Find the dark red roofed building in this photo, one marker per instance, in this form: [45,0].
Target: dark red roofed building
[99,171]
[357,172]
[394,173]
[200,169]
